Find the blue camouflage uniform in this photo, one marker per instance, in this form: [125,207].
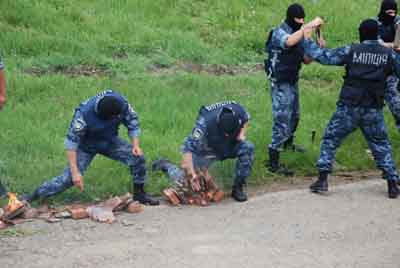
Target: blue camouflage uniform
[1,63]
[2,189]
[282,68]
[386,34]
[207,146]
[89,135]
[352,111]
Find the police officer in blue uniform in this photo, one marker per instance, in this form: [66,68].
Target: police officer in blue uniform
[219,134]
[94,130]
[387,23]
[3,190]
[368,64]
[285,48]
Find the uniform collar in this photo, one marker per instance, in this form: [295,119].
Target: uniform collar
[286,28]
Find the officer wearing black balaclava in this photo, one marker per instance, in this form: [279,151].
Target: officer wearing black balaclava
[360,104]
[294,14]
[285,57]
[388,20]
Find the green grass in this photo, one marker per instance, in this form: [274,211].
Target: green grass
[125,38]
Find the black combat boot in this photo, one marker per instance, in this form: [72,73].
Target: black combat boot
[393,190]
[142,197]
[238,194]
[274,166]
[29,198]
[160,164]
[321,185]
[290,146]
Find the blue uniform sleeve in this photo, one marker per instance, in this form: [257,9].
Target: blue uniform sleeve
[1,63]
[279,38]
[198,139]
[396,63]
[76,131]
[130,119]
[326,56]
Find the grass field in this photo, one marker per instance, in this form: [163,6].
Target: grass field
[58,53]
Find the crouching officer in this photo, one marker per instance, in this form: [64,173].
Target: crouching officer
[285,48]
[94,130]
[368,64]
[219,134]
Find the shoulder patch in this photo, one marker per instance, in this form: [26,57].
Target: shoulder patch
[197,133]
[78,125]
[217,105]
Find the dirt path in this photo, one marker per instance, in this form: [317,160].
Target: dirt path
[354,226]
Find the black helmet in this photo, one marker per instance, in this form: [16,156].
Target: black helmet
[109,107]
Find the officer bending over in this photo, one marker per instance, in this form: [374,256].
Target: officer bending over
[94,130]
[368,64]
[219,134]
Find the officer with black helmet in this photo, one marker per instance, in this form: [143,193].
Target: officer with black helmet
[219,134]
[94,130]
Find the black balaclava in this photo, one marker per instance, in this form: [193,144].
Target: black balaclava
[295,11]
[109,107]
[229,123]
[387,5]
[368,30]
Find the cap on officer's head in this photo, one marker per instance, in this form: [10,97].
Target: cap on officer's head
[368,30]
[109,107]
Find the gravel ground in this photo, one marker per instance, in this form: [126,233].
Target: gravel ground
[355,225]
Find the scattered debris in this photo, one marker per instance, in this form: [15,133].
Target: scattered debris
[183,193]
[17,212]
[101,214]
[14,207]
[135,207]
[78,211]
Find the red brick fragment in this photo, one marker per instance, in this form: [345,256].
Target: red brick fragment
[135,207]
[218,196]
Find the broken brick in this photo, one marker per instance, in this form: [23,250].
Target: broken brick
[218,196]
[135,207]
[101,214]
[172,197]
[78,213]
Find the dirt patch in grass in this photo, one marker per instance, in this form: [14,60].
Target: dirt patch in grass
[71,71]
[210,69]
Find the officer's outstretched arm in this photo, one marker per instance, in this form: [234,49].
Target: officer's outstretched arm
[326,56]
